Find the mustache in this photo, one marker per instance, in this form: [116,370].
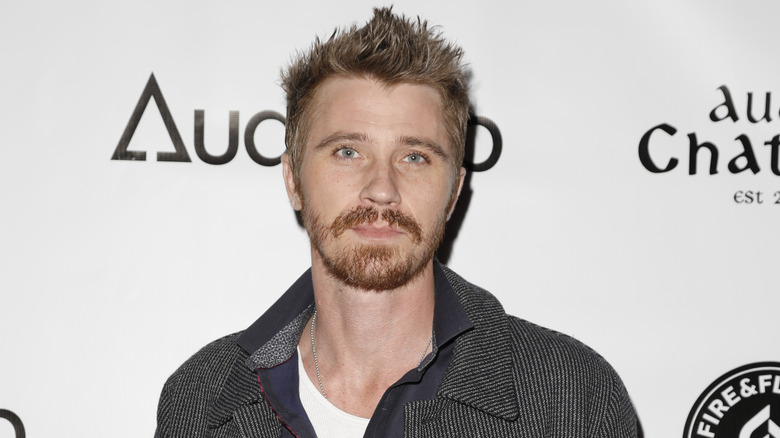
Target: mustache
[368,215]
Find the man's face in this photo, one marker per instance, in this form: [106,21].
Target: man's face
[376,183]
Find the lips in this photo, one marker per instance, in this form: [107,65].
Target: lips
[363,220]
[372,231]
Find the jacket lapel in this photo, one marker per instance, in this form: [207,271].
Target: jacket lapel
[240,409]
[480,373]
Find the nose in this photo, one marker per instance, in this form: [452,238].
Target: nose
[381,186]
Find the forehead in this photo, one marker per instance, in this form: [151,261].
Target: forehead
[378,110]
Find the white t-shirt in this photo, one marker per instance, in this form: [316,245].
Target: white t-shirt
[328,420]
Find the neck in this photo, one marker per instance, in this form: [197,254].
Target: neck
[366,340]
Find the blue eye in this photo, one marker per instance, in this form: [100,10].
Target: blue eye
[414,158]
[347,153]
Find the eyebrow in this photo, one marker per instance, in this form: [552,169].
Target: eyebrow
[341,136]
[425,143]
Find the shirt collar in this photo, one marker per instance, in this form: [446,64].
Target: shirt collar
[272,339]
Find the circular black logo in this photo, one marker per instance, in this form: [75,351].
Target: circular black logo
[743,403]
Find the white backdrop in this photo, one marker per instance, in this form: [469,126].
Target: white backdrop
[113,272]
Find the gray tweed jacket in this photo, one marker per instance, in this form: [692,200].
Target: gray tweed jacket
[507,378]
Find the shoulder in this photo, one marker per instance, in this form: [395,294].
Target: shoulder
[554,375]
[539,349]
[569,378]
[209,367]
[190,393]
[552,348]
[533,346]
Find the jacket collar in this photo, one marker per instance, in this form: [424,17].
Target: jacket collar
[273,338]
[479,325]
[481,373]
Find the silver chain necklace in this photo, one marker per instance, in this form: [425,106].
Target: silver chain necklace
[317,365]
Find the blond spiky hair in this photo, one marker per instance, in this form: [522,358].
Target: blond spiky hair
[391,49]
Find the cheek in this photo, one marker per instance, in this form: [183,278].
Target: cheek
[431,203]
[334,182]
[326,196]
[310,183]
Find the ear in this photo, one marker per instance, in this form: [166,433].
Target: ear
[461,178]
[289,183]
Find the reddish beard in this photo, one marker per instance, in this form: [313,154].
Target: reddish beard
[377,267]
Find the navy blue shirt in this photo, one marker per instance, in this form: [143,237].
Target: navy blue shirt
[272,340]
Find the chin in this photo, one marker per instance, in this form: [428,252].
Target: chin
[377,267]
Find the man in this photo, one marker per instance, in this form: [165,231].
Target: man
[377,338]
